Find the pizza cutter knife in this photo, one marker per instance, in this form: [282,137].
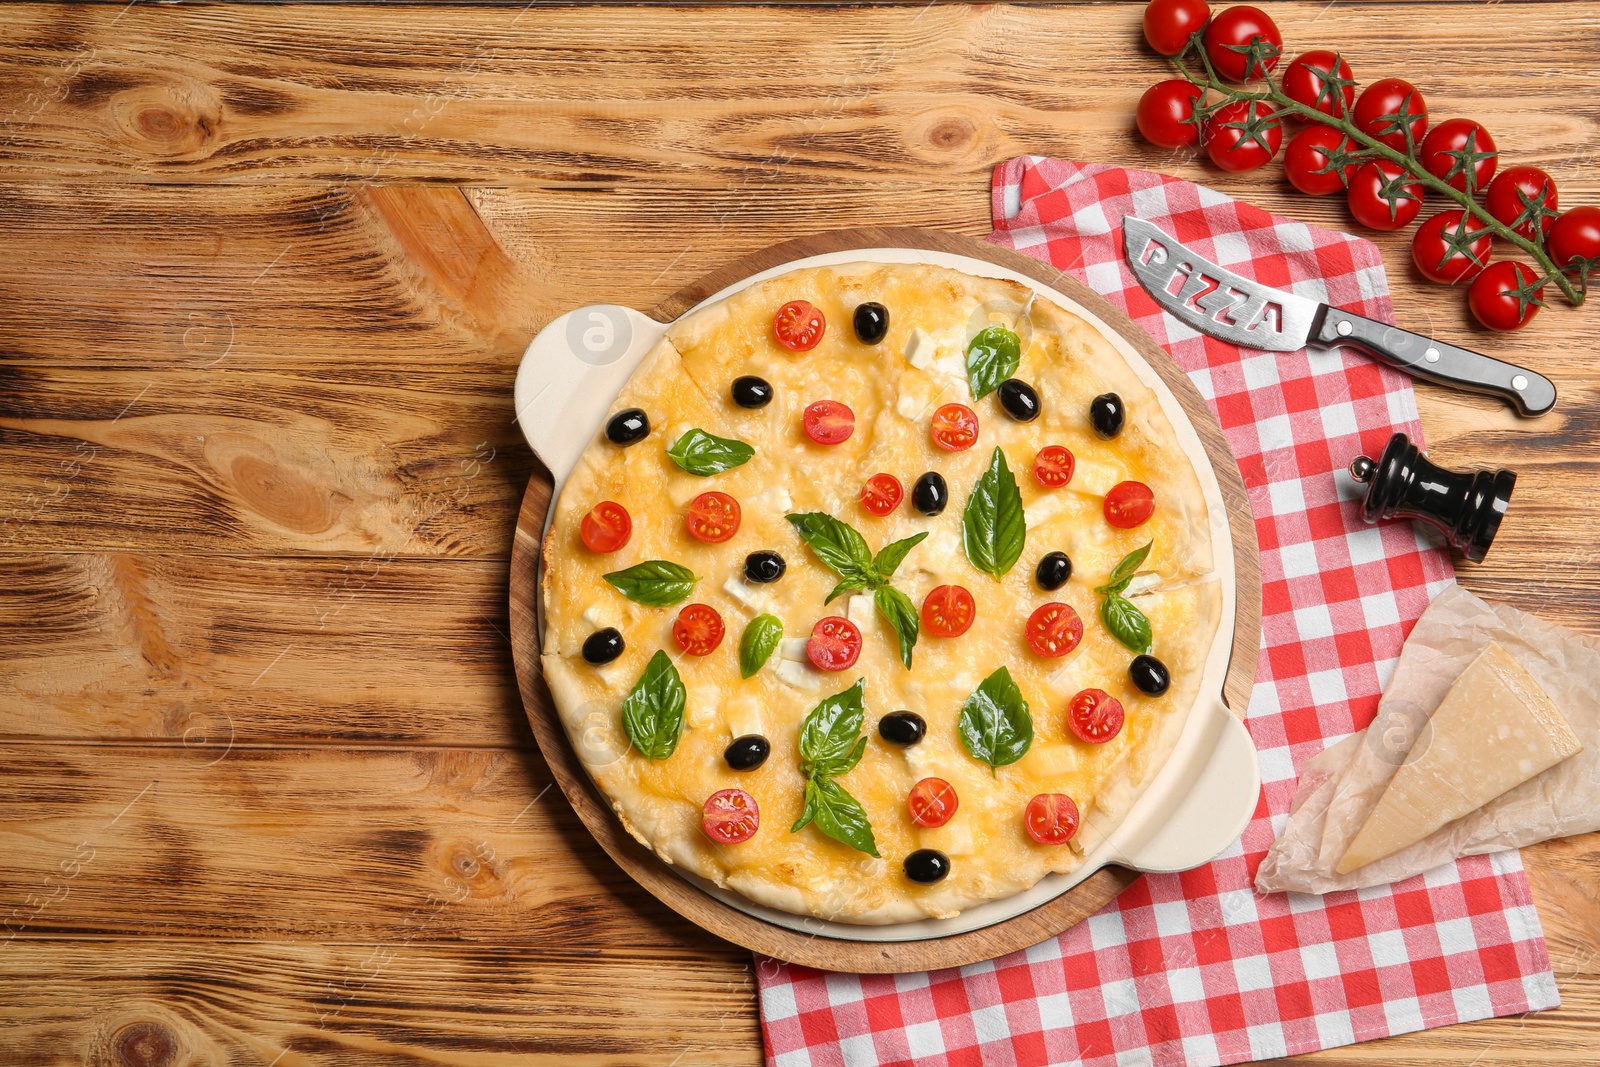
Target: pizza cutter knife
[1216,301]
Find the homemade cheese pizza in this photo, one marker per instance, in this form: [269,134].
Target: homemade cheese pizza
[882,593]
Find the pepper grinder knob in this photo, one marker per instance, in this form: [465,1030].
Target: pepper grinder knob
[1465,506]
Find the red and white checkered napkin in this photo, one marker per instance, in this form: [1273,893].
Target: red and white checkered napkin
[1196,968]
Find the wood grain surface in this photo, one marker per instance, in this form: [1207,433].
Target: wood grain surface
[268,795]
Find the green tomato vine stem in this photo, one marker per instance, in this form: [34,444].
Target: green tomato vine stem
[1371,147]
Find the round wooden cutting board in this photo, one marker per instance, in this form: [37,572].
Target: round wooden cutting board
[829,953]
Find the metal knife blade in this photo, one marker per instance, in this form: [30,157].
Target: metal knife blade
[1216,301]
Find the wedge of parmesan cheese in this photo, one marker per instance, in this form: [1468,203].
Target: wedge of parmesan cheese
[1495,729]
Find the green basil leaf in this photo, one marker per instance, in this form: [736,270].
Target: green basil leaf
[848,585]
[992,357]
[836,544]
[655,582]
[993,529]
[832,768]
[809,811]
[706,454]
[652,714]
[1123,572]
[891,556]
[902,615]
[760,641]
[830,729]
[840,815]
[994,723]
[1126,623]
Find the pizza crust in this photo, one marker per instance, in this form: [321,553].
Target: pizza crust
[682,383]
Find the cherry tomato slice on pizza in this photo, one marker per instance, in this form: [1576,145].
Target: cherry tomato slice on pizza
[835,644]
[698,629]
[712,518]
[882,494]
[828,422]
[730,816]
[1129,504]
[955,427]
[1053,466]
[948,611]
[1051,818]
[932,802]
[1095,716]
[1054,630]
[606,528]
[799,326]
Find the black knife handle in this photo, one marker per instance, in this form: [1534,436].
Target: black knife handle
[1530,393]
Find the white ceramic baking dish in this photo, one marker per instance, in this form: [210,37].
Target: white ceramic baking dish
[1199,801]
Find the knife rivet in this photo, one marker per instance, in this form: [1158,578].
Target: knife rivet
[1344,328]
[1519,382]
[1431,355]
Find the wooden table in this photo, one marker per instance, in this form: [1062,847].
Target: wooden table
[268,792]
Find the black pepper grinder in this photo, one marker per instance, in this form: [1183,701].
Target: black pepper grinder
[1464,506]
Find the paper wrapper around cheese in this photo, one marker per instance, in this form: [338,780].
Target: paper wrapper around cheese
[1341,788]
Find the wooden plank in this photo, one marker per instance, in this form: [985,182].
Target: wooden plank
[194,650]
[155,1003]
[571,96]
[208,461]
[382,285]
[309,844]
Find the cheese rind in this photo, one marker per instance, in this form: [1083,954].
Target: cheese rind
[1495,729]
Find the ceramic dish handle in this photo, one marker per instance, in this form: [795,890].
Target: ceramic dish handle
[571,374]
[1228,777]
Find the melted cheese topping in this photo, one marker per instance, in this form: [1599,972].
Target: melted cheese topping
[893,388]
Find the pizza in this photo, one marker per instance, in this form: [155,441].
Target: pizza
[882,592]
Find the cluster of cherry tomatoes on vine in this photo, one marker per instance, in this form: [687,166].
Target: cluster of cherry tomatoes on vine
[1377,148]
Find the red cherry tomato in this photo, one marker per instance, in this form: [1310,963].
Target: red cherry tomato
[798,326]
[1308,161]
[1243,135]
[730,816]
[1228,39]
[1521,196]
[606,528]
[1053,466]
[1321,80]
[1129,504]
[1387,108]
[1574,241]
[1450,247]
[1054,629]
[932,802]
[828,422]
[955,427]
[698,629]
[1168,23]
[1051,818]
[1383,197]
[712,517]
[882,494]
[1457,148]
[1503,297]
[1095,716]
[1165,115]
[835,644]
[948,611]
